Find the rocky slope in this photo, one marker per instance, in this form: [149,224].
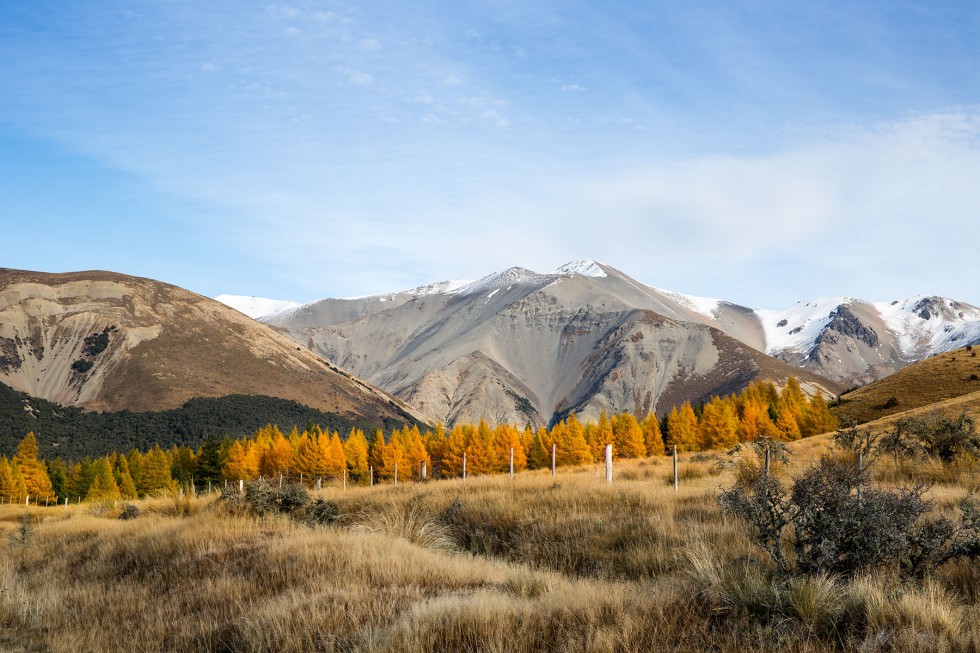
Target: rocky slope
[106,341]
[522,346]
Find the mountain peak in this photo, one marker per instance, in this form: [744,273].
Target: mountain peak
[585,267]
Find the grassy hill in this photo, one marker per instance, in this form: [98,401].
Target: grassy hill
[72,433]
[936,380]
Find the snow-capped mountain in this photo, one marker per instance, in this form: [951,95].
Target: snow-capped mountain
[587,337]
[523,346]
[255,307]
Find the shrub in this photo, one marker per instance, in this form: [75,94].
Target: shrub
[321,512]
[129,512]
[935,434]
[82,366]
[835,524]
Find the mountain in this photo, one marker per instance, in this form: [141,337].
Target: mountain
[856,342]
[528,347]
[109,342]
[255,307]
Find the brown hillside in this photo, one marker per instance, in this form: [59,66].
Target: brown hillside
[106,341]
[935,380]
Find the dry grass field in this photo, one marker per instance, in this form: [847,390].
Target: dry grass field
[485,564]
[933,382]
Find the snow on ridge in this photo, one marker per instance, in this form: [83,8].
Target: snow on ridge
[256,307]
[509,277]
[585,267]
[705,306]
[956,325]
[797,327]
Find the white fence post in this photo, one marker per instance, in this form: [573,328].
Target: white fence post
[512,462]
[552,459]
[396,474]
[464,464]
[424,475]
[371,471]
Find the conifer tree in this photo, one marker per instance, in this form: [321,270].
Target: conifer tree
[336,459]
[19,489]
[36,481]
[242,463]
[628,437]
[818,418]
[312,456]
[572,448]
[416,454]
[435,445]
[391,454]
[124,481]
[787,426]
[278,458]
[719,425]
[376,448]
[539,456]
[452,462]
[356,454]
[652,437]
[103,486]
[682,428]
[507,438]
[156,473]
[8,488]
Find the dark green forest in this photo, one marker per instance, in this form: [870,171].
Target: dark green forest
[73,433]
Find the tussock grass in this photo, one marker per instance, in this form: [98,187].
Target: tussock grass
[486,564]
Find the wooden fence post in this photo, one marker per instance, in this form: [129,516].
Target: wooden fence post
[371,472]
[552,459]
[241,486]
[675,471]
[396,475]
[512,462]
[860,472]
[464,464]
[424,471]
[767,462]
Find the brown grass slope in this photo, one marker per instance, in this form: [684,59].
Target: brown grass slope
[166,345]
[936,380]
[487,564]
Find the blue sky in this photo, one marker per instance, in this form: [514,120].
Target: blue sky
[760,152]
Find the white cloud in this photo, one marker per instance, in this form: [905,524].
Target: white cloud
[358,77]
[573,88]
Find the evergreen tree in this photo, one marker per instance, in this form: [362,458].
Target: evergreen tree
[336,459]
[209,463]
[156,473]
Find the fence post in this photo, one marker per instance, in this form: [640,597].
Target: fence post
[241,486]
[27,500]
[396,474]
[66,503]
[280,480]
[371,472]
[512,462]
[608,463]
[464,464]
[319,483]
[553,459]
[860,472]
[675,470]
[345,481]
[301,479]
[424,475]
[767,462]
[209,488]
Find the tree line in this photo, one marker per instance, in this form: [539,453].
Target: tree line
[316,454]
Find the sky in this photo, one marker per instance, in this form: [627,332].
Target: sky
[762,152]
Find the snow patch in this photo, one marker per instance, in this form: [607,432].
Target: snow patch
[956,325]
[701,305]
[584,267]
[256,307]
[797,327]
